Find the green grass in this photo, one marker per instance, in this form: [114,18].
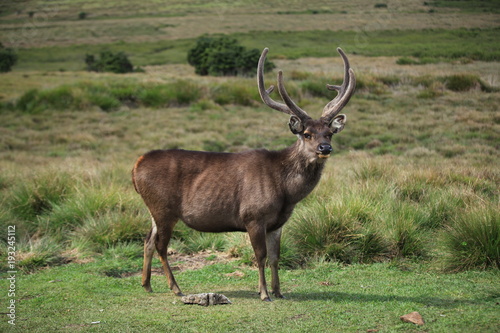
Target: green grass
[433,45]
[486,6]
[404,219]
[400,216]
[345,298]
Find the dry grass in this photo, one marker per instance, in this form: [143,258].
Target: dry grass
[57,24]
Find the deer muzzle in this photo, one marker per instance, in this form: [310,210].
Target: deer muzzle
[324,150]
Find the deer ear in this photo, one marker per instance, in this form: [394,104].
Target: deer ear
[338,123]
[296,125]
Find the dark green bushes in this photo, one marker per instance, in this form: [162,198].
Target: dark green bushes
[223,56]
[8,58]
[109,62]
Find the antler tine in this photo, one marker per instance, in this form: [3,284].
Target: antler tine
[264,93]
[303,116]
[345,91]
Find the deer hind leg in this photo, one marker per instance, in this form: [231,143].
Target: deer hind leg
[273,252]
[258,240]
[149,248]
[162,240]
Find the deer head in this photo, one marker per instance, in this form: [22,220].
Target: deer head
[314,135]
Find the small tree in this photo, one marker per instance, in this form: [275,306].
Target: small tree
[8,58]
[109,62]
[223,56]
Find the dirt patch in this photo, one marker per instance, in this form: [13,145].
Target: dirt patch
[185,262]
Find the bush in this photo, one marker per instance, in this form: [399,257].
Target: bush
[223,56]
[109,62]
[8,58]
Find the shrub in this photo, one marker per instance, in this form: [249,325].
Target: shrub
[223,56]
[8,58]
[109,62]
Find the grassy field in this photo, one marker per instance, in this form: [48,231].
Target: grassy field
[406,216]
[332,297]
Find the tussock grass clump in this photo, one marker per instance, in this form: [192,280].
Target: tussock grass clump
[472,240]
[178,93]
[462,82]
[338,231]
[405,236]
[39,196]
[109,97]
[235,92]
[81,211]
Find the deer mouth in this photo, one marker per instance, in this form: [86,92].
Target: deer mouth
[323,156]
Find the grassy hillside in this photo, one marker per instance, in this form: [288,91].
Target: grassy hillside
[406,215]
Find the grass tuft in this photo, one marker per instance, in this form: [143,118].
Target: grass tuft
[473,240]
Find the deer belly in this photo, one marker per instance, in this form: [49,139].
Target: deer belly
[212,213]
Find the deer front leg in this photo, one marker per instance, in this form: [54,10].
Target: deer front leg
[273,252]
[258,239]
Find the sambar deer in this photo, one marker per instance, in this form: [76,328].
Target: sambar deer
[253,191]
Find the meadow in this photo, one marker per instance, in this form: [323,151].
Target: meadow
[405,218]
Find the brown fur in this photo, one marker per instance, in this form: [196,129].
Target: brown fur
[254,191]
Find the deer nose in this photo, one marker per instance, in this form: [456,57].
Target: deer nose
[325,149]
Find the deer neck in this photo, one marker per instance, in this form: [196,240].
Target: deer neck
[301,172]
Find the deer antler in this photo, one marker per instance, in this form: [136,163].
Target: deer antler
[290,107]
[345,91]
[303,116]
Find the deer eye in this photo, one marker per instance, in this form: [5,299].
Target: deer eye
[307,136]
[329,136]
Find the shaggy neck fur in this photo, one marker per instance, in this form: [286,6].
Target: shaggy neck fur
[302,171]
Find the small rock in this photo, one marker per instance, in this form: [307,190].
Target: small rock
[414,318]
[205,299]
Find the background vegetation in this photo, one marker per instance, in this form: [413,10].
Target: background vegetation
[412,189]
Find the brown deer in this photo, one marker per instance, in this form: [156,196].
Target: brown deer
[253,191]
